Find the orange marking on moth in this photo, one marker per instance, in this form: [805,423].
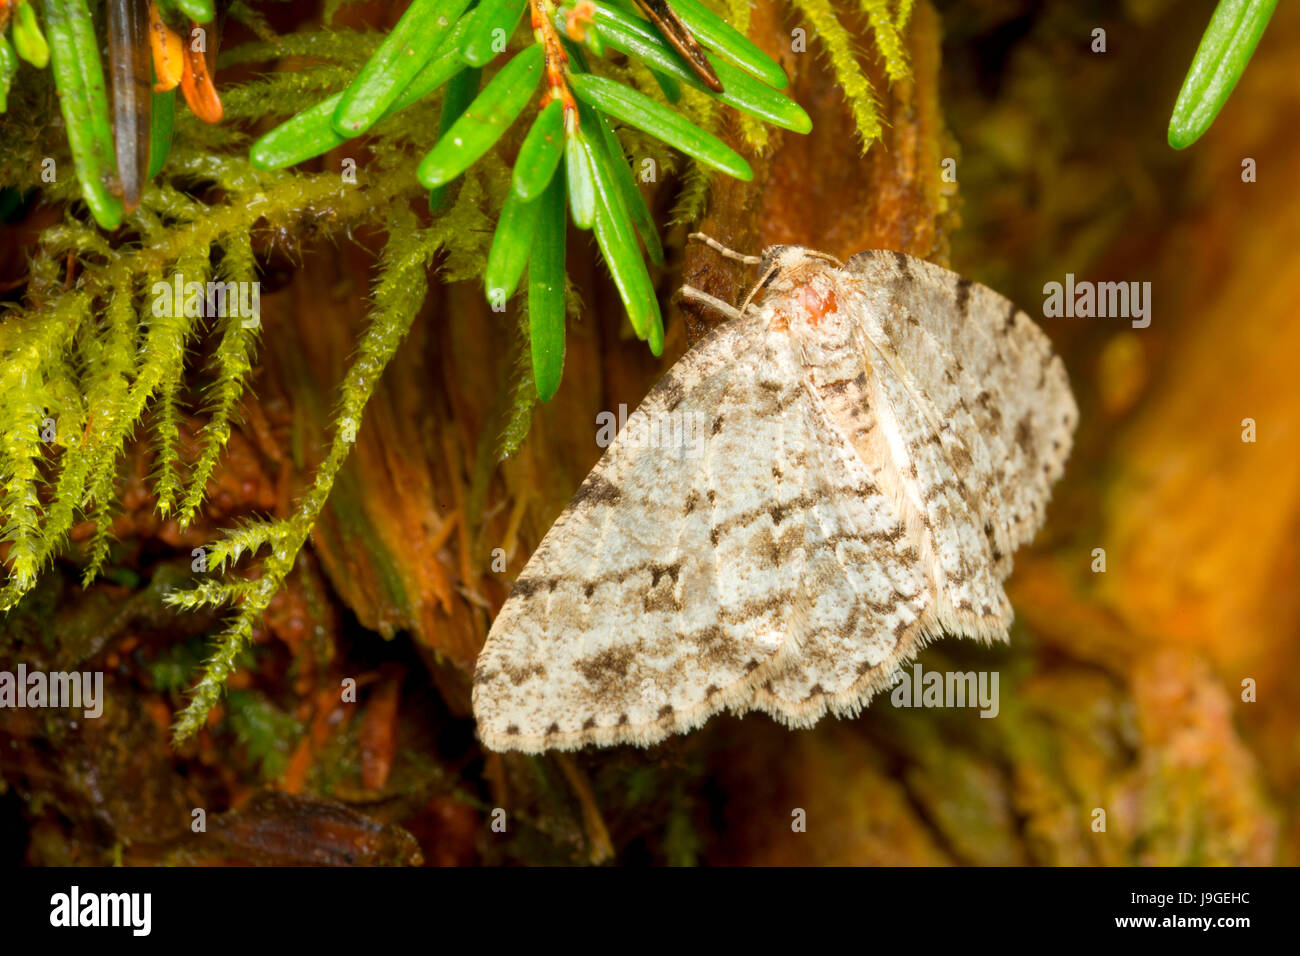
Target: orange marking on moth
[817,304]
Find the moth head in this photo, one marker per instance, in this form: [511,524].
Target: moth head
[785,269]
[801,280]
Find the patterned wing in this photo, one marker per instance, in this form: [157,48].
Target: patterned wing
[869,598]
[660,596]
[1001,396]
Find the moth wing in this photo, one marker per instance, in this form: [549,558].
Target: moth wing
[937,485]
[991,375]
[660,595]
[868,602]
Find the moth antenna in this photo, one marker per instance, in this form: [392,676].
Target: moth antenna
[827,256]
[703,298]
[760,284]
[723,250]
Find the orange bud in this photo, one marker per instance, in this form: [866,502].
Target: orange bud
[168,52]
[197,86]
[582,14]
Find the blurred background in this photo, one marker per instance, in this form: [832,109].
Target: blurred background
[1157,690]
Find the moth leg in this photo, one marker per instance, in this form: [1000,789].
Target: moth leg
[724,251]
[738,257]
[703,298]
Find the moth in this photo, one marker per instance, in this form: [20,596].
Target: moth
[880,436]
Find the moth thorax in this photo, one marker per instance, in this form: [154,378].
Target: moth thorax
[831,361]
[816,314]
